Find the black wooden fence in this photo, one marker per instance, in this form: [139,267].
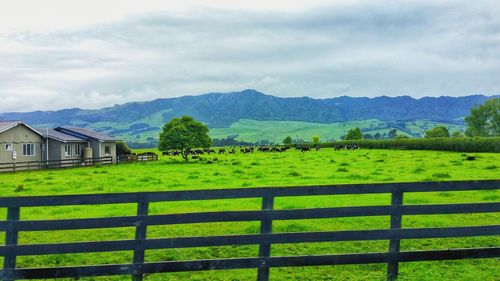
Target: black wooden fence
[13,226]
[54,164]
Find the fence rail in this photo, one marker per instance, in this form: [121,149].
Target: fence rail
[265,239]
[54,164]
[137,158]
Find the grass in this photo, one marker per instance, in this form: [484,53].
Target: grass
[268,169]
[276,131]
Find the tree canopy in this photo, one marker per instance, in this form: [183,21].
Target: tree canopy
[354,134]
[438,132]
[484,120]
[122,149]
[184,134]
[287,140]
[392,133]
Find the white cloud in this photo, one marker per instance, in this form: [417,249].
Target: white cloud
[92,54]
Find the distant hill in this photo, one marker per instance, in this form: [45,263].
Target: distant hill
[220,110]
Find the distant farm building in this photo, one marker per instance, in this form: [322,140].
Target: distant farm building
[21,143]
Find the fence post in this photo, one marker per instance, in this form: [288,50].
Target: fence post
[266,227]
[140,236]
[394,244]
[11,236]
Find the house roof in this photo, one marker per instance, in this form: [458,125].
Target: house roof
[60,136]
[7,125]
[85,133]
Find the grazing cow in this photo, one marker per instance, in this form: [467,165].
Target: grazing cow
[208,150]
[263,149]
[246,150]
[348,147]
[303,148]
[222,150]
[197,152]
[172,153]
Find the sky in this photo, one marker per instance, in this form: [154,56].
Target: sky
[58,54]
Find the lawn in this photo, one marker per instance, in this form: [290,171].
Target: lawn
[268,169]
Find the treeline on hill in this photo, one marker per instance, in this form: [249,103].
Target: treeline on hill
[479,144]
[230,141]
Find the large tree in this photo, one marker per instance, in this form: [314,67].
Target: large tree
[287,140]
[354,134]
[438,132]
[184,134]
[484,120]
[392,133]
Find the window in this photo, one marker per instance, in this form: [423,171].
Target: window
[8,146]
[67,150]
[107,149]
[78,150]
[28,149]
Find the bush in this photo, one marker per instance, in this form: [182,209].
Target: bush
[480,144]
[122,149]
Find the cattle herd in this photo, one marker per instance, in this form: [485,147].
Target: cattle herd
[252,149]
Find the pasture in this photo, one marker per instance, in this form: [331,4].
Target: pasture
[271,169]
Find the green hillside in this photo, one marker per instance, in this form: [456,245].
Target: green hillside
[276,131]
[147,129]
[232,114]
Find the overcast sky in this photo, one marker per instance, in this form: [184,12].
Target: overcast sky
[60,54]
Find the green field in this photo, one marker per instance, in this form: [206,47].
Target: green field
[275,131]
[268,169]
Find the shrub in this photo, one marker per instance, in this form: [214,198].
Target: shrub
[122,149]
[441,175]
[480,144]
[293,174]
[438,132]
[19,188]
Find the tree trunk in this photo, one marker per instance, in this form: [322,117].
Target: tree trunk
[185,155]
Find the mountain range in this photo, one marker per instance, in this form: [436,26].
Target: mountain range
[221,110]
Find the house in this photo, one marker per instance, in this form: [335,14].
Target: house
[102,145]
[20,142]
[63,146]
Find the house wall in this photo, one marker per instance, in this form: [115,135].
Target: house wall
[96,148]
[113,150]
[54,150]
[18,136]
[57,152]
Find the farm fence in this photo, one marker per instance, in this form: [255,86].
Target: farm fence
[137,158]
[54,164]
[13,226]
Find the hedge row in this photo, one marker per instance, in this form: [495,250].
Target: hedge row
[446,144]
